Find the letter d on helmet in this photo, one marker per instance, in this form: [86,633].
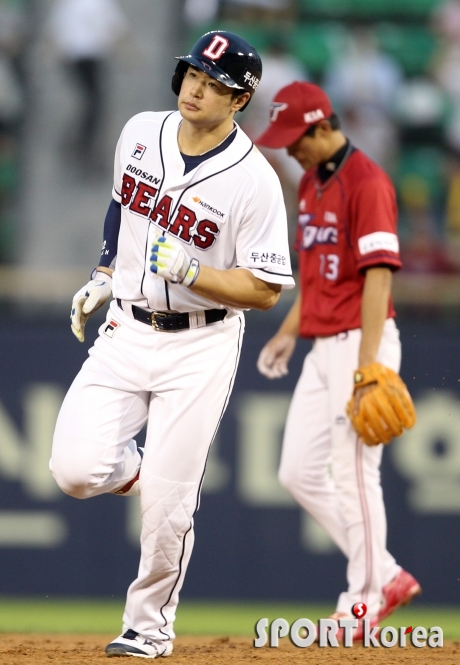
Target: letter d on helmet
[226,57]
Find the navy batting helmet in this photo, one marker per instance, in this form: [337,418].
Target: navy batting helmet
[226,57]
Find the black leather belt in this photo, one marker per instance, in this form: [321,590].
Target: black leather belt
[172,321]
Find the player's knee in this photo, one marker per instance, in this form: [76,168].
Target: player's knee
[285,476]
[74,487]
[72,478]
[289,477]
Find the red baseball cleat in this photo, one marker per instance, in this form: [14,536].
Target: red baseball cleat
[400,591]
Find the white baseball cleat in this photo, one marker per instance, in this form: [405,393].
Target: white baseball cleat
[133,644]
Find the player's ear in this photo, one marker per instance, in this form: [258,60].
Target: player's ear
[324,127]
[240,100]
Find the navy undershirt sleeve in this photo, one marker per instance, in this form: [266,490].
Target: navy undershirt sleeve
[111,231]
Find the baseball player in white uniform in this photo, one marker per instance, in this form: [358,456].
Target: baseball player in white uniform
[195,234]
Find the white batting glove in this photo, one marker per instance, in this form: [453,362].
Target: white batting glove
[87,301]
[170,261]
[274,357]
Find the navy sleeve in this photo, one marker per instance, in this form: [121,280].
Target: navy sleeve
[111,231]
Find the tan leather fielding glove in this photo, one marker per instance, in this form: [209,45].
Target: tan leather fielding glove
[385,409]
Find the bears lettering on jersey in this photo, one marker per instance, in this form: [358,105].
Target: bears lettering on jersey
[187,228]
[127,188]
[161,212]
[183,224]
[206,234]
[140,199]
[141,202]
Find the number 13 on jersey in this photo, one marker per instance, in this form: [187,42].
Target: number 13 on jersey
[329,266]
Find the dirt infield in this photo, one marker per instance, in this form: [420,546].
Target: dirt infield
[18,649]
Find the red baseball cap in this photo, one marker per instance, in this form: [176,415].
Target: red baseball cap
[295,108]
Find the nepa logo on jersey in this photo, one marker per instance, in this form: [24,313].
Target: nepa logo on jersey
[138,151]
[208,207]
[313,116]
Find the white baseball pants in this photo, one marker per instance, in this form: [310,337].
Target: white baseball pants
[179,383]
[330,473]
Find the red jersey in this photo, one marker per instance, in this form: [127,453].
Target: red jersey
[346,225]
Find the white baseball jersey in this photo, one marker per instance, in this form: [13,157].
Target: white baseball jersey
[229,211]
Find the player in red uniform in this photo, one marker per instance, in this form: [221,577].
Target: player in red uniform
[348,248]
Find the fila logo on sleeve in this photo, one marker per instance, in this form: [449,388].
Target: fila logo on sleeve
[216,48]
[138,151]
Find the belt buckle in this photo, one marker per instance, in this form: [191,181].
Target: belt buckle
[154,317]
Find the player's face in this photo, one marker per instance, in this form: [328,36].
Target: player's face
[205,101]
[310,151]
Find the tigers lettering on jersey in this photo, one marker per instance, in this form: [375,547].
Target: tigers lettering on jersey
[140,197]
[305,218]
[317,235]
